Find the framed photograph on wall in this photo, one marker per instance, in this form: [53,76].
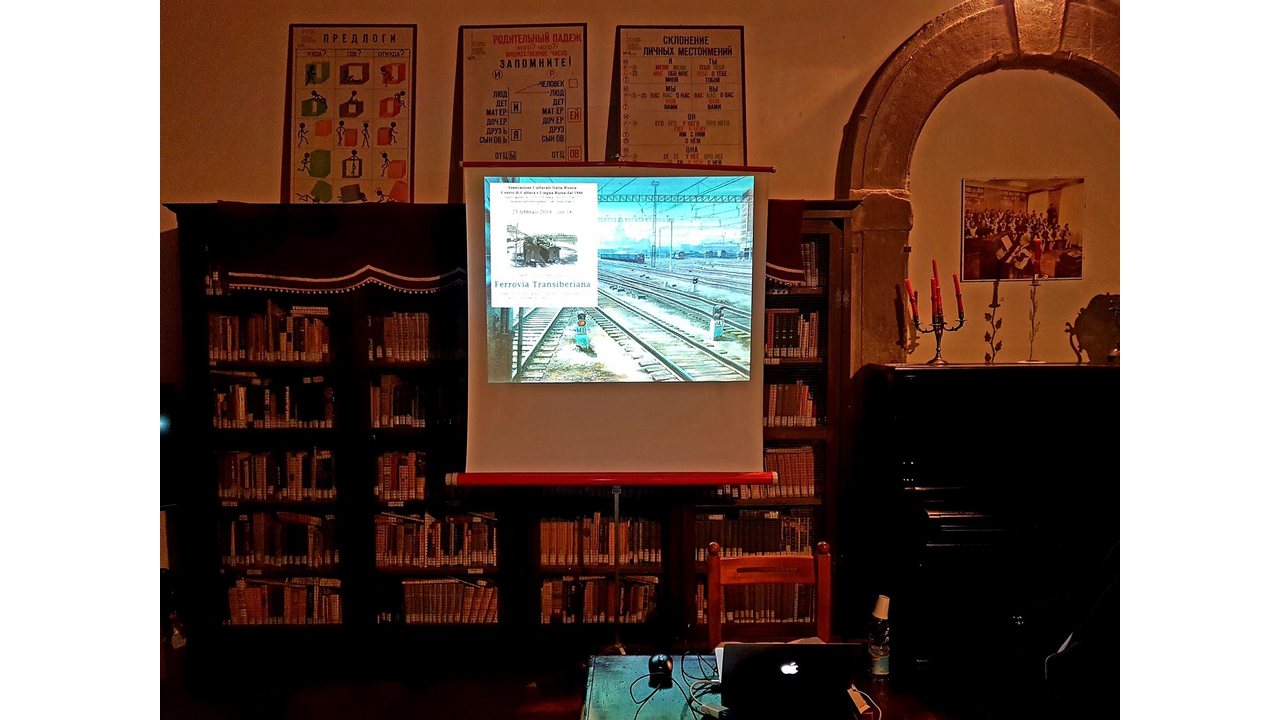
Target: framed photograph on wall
[679,95]
[349,130]
[1018,228]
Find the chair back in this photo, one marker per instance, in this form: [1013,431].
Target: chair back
[768,570]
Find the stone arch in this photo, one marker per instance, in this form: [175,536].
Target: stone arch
[1079,39]
[1076,38]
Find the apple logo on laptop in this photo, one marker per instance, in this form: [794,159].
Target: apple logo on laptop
[790,669]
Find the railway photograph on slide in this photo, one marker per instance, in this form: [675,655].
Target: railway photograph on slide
[619,279]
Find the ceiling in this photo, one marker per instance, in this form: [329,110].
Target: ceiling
[1026,185]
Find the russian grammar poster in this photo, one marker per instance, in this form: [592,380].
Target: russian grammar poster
[681,97]
[350,131]
[524,93]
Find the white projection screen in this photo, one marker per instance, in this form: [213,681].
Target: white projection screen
[615,317]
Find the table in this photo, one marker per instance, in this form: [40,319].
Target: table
[610,676]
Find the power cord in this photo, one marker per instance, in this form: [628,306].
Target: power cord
[879,712]
[688,699]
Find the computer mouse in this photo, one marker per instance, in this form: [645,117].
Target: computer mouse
[660,666]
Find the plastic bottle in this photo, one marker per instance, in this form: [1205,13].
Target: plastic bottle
[879,648]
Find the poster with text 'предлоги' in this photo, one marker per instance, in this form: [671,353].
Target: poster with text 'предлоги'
[523,93]
[349,132]
[680,96]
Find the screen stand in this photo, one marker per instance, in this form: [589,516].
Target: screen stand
[617,648]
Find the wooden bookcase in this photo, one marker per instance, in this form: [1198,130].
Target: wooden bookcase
[826,232]
[372,593]
[373,609]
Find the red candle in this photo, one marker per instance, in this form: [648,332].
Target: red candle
[933,297]
[937,290]
[959,300]
[911,296]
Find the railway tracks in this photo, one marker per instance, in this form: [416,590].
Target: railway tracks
[533,332]
[737,321]
[684,357]
[709,278]
[665,351]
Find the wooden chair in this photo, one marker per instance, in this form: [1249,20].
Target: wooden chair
[767,570]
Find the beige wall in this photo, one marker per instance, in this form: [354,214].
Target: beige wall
[1073,206]
[223,80]
[1016,123]
[223,85]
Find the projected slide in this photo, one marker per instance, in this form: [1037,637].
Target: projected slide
[619,279]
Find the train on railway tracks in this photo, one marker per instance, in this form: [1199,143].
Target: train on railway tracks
[541,250]
[637,258]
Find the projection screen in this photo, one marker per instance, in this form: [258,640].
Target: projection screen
[615,317]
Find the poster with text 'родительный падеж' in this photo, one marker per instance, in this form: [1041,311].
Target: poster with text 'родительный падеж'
[350,132]
[524,93]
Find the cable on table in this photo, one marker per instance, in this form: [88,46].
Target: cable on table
[632,692]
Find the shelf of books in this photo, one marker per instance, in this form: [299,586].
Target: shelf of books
[576,562]
[270,456]
[802,348]
[328,422]
[435,550]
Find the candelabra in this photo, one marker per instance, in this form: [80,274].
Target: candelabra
[937,327]
[938,324]
[1035,308]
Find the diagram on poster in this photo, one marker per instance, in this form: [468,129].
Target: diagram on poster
[681,95]
[524,93]
[351,114]
[544,241]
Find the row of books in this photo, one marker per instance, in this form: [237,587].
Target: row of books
[594,599]
[295,601]
[399,337]
[755,532]
[279,539]
[590,541]
[790,405]
[783,602]
[796,476]
[447,601]
[252,402]
[423,541]
[401,476]
[814,256]
[297,335]
[304,475]
[395,403]
[787,334]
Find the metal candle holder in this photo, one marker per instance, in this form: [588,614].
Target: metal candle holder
[938,327]
[939,323]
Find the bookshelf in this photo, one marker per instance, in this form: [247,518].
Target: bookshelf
[806,353]
[338,415]
[322,425]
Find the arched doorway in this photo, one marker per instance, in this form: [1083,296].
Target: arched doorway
[1079,39]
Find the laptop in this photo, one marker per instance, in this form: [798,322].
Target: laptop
[775,680]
